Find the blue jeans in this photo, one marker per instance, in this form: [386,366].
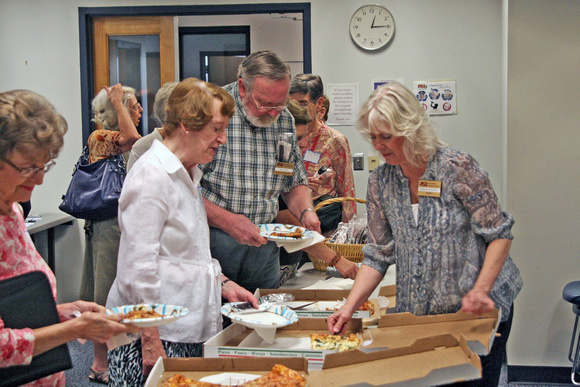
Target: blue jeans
[248,266]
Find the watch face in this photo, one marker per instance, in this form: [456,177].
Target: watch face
[372,27]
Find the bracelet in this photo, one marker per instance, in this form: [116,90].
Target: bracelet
[303,212]
[226,281]
[335,260]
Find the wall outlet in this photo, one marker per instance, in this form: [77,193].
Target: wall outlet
[373,162]
[358,162]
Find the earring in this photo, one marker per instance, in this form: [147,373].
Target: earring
[187,132]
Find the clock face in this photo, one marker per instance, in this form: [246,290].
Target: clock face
[372,27]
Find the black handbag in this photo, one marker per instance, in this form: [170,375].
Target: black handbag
[94,190]
[26,301]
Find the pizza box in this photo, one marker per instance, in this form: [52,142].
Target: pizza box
[328,299]
[402,329]
[197,368]
[290,341]
[430,361]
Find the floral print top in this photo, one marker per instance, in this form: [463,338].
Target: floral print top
[440,257]
[103,144]
[19,256]
[334,152]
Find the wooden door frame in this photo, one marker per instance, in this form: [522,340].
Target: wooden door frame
[87,14]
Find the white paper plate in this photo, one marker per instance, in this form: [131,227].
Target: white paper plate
[275,317]
[170,313]
[267,229]
[229,378]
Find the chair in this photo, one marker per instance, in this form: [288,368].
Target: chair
[571,293]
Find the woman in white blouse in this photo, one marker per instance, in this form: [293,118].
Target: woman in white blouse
[164,254]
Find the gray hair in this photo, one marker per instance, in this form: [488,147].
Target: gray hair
[160,102]
[262,64]
[104,111]
[30,123]
[393,108]
[307,84]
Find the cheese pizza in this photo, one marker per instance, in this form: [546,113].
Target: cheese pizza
[179,380]
[324,341]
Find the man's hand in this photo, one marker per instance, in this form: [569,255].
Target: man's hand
[245,232]
[310,221]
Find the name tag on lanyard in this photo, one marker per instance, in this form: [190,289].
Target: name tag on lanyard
[430,188]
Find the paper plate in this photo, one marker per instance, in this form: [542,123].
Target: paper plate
[267,229]
[229,378]
[274,317]
[170,313]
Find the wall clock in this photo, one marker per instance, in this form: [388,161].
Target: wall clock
[372,27]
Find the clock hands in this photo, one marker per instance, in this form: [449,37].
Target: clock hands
[373,24]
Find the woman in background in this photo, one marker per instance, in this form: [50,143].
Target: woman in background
[164,255]
[118,113]
[31,136]
[451,247]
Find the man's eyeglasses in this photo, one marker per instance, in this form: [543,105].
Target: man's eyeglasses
[268,108]
[31,171]
[305,103]
[137,107]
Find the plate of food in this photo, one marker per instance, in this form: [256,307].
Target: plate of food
[149,315]
[279,232]
[274,317]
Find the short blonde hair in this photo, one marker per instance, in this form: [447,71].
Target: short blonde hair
[103,110]
[392,108]
[190,104]
[30,123]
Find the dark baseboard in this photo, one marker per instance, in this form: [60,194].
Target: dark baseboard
[559,375]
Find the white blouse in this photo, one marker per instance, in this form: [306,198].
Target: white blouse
[164,254]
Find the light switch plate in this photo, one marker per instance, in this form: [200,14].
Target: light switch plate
[373,162]
[358,162]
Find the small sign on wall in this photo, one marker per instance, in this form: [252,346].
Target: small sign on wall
[437,97]
[343,104]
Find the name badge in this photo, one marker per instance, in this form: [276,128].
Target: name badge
[312,157]
[430,188]
[284,169]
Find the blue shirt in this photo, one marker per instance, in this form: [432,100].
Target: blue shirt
[241,176]
[440,257]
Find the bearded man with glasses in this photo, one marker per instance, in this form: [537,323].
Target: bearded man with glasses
[243,183]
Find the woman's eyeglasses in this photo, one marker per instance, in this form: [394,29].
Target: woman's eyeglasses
[137,107]
[268,108]
[31,171]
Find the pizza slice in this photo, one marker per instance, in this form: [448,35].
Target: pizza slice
[179,380]
[325,341]
[280,376]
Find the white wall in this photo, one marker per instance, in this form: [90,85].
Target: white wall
[544,172]
[445,39]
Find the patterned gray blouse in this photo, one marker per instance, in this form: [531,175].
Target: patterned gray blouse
[438,258]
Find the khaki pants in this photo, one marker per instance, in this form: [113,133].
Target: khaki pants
[100,262]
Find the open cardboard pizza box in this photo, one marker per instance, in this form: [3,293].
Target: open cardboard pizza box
[290,341]
[328,300]
[395,331]
[197,368]
[430,361]
[402,329]
[435,360]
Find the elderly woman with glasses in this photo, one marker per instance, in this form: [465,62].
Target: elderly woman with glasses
[117,112]
[31,136]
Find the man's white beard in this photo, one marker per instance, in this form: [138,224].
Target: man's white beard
[259,121]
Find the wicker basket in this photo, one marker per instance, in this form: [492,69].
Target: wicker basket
[351,252]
